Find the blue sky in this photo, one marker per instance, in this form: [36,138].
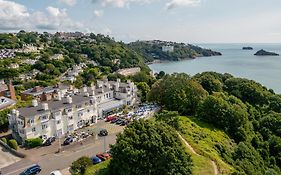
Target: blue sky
[193,21]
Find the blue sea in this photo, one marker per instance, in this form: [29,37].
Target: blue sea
[240,63]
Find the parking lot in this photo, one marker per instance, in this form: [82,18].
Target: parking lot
[85,142]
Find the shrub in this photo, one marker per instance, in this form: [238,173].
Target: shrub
[4,140]
[79,166]
[13,144]
[32,143]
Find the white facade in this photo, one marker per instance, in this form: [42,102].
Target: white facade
[66,114]
[168,48]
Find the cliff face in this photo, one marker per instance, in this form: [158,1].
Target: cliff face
[265,53]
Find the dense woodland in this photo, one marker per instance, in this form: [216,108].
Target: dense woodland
[151,50]
[248,112]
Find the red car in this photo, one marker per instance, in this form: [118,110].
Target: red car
[110,118]
[103,156]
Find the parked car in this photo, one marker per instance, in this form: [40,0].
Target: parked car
[96,160]
[68,140]
[103,156]
[110,118]
[34,169]
[49,141]
[124,123]
[56,172]
[119,121]
[114,120]
[103,132]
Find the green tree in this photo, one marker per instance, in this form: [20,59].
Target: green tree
[144,90]
[226,112]
[150,148]
[177,92]
[79,166]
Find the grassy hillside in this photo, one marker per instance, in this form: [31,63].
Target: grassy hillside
[204,139]
[99,169]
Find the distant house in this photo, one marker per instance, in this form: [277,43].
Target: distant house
[129,71]
[29,61]
[6,102]
[7,53]
[57,57]
[13,66]
[168,48]
[7,91]
[45,93]
[28,48]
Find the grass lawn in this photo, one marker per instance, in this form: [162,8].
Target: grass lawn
[98,169]
[203,138]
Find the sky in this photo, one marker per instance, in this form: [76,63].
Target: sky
[188,21]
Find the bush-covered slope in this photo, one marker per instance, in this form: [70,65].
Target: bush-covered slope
[153,50]
[245,110]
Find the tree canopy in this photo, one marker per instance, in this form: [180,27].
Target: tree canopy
[150,148]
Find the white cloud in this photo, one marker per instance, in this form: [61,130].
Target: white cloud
[55,19]
[177,3]
[98,13]
[120,3]
[14,16]
[68,2]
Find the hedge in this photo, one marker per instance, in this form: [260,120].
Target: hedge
[4,140]
[13,144]
[32,143]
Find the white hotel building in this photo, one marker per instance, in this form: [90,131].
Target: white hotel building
[70,111]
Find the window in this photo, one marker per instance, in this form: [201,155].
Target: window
[70,127]
[33,129]
[44,126]
[68,110]
[21,131]
[44,117]
[70,117]
[58,122]
[30,121]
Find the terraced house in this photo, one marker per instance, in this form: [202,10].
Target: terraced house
[66,113]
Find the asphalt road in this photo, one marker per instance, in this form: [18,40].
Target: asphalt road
[60,161]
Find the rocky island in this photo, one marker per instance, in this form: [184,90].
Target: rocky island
[247,48]
[265,53]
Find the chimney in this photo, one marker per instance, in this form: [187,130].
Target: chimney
[45,106]
[92,90]
[85,89]
[86,94]
[69,100]
[15,112]
[99,83]
[117,85]
[34,103]
[12,91]
[59,96]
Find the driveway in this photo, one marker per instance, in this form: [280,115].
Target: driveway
[6,158]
